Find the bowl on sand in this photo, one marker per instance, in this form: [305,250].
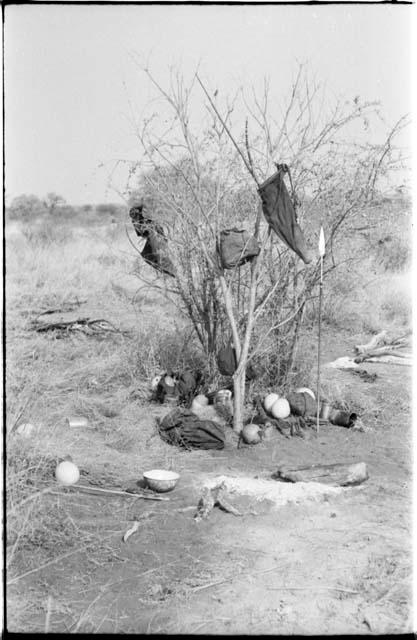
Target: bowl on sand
[160,480]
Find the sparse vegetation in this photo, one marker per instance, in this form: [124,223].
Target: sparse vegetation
[64,550]
[203,178]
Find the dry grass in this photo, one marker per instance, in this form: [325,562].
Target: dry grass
[49,379]
[107,381]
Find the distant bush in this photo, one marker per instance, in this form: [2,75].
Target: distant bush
[25,208]
[52,201]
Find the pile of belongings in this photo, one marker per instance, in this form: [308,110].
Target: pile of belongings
[182,428]
[236,247]
[156,247]
[279,211]
[294,425]
[304,405]
[177,387]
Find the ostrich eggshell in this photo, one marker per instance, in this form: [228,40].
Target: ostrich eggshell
[67,473]
[269,400]
[306,390]
[281,409]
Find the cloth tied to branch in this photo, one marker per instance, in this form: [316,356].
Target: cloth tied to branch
[227,363]
[155,251]
[280,213]
[236,247]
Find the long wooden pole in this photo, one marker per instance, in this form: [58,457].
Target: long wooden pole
[213,106]
[322,249]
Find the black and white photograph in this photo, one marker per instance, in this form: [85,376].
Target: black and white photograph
[208,318]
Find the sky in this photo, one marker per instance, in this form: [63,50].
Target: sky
[71,80]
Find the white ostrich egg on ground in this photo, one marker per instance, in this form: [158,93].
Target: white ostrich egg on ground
[67,473]
[202,399]
[269,400]
[281,408]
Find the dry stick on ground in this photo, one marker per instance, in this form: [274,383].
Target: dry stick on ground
[96,326]
[113,492]
[313,588]
[234,577]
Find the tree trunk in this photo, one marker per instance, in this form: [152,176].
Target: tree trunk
[238,403]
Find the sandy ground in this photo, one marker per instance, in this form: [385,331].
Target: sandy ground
[337,565]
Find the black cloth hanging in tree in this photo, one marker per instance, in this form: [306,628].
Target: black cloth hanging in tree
[280,213]
[156,247]
[155,253]
[227,363]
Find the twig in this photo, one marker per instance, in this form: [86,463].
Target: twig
[234,577]
[95,326]
[213,106]
[312,588]
[117,493]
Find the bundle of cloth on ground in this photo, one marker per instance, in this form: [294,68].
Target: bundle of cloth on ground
[181,386]
[182,428]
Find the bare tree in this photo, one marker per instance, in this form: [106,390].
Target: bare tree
[52,201]
[199,175]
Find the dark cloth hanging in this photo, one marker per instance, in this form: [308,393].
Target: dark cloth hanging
[280,213]
[236,247]
[141,223]
[155,253]
[156,247]
[227,363]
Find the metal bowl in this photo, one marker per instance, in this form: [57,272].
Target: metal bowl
[160,480]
